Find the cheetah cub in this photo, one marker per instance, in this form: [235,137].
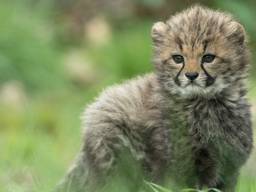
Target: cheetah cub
[188,123]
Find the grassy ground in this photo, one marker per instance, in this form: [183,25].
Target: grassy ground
[40,134]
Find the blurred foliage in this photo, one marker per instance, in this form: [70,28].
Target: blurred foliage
[27,50]
[56,55]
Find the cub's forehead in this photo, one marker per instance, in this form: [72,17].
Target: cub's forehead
[199,23]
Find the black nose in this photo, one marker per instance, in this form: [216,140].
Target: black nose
[191,75]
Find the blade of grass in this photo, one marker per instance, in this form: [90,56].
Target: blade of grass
[156,187]
[213,189]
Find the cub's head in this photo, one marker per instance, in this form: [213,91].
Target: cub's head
[199,52]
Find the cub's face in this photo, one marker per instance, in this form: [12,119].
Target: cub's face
[199,52]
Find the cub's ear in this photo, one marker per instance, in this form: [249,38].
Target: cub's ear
[158,32]
[242,36]
[237,33]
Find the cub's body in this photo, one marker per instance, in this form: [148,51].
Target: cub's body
[188,124]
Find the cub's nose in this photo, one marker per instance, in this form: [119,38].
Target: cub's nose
[191,75]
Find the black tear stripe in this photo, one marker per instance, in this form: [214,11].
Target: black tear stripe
[210,79]
[176,79]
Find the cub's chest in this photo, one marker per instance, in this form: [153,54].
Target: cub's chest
[209,119]
[212,130]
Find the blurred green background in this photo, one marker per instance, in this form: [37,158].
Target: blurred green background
[57,55]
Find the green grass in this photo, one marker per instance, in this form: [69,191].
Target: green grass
[243,185]
[157,188]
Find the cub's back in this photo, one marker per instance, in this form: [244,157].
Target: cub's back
[135,102]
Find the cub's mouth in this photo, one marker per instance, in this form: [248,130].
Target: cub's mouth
[193,84]
[199,83]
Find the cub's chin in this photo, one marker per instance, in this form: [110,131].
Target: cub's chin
[193,90]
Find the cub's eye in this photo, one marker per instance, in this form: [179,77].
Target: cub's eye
[178,59]
[208,58]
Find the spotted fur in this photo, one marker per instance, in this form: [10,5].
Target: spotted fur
[183,134]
